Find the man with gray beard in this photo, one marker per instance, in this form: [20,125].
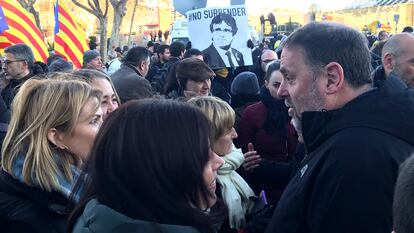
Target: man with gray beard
[355,135]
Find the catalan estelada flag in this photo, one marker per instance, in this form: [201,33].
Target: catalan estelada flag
[17,26]
[70,39]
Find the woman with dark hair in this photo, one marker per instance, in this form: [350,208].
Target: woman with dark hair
[100,81]
[145,187]
[266,125]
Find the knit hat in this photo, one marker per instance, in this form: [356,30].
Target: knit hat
[61,65]
[245,83]
[193,69]
[89,55]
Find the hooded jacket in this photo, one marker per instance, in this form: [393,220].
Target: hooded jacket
[100,218]
[346,181]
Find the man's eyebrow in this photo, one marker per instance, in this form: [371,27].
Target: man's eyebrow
[283,70]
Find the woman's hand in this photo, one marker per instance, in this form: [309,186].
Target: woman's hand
[251,159]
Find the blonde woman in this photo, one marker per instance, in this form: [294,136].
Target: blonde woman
[233,188]
[52,129]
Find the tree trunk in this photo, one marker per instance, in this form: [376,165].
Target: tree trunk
[132,22]
[119,13]
[103,24]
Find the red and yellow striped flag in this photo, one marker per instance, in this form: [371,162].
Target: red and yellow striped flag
[17,26]
[70,39]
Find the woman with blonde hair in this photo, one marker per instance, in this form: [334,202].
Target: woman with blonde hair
[233,188]
[52,129]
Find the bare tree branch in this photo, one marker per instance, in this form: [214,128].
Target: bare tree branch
[132,22]
[106,9]
[95,9]
[28,5]
[97,4]
[84,7]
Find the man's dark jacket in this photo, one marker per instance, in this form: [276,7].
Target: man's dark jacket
[129,84]
[9,92]
[30,209]
[214,60]
[346,182]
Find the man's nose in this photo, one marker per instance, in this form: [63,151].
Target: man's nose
[282,91]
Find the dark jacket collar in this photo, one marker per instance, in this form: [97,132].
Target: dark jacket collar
[388,109]
[133,68]
[52,201]
[18,82]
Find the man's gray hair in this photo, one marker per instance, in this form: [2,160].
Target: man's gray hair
[22,52]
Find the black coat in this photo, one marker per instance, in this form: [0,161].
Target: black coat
[214,60]
[129,84]
[10,90]
[22,206]
[346,182]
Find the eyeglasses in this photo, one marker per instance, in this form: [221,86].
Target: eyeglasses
[222,30]
[8,62]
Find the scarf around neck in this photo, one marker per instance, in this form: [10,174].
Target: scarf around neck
[65,186]
[234,189]
[277,114]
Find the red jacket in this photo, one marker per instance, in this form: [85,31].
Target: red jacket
[270,147]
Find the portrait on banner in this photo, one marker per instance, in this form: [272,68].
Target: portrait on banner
[221,34]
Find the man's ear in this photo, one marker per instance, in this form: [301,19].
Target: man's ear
[388,61]
[141,66]
[26,65]
[335,77]
[56,138]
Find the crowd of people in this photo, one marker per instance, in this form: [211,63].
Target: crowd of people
[315,136]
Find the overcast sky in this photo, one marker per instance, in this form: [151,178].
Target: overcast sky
[300,5]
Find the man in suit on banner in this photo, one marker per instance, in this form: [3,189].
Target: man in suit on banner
[220,54]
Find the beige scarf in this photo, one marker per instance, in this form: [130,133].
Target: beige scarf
[234,189]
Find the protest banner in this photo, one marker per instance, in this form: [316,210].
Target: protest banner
[221,33]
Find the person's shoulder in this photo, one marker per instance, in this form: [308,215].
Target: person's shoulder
[209,49]
[118,73]
[255,108]
[364,145]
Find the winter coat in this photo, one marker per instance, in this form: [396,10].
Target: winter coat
[129,84]
[10,90]
[346,182]
[30,208]
[100,218]
[270,147]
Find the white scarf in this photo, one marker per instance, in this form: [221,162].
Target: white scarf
[234,189]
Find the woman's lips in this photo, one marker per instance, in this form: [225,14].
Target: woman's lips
[212,186]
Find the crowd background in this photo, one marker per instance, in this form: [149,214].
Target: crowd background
[154,140]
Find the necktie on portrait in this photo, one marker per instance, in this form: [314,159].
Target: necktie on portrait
[228,54]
